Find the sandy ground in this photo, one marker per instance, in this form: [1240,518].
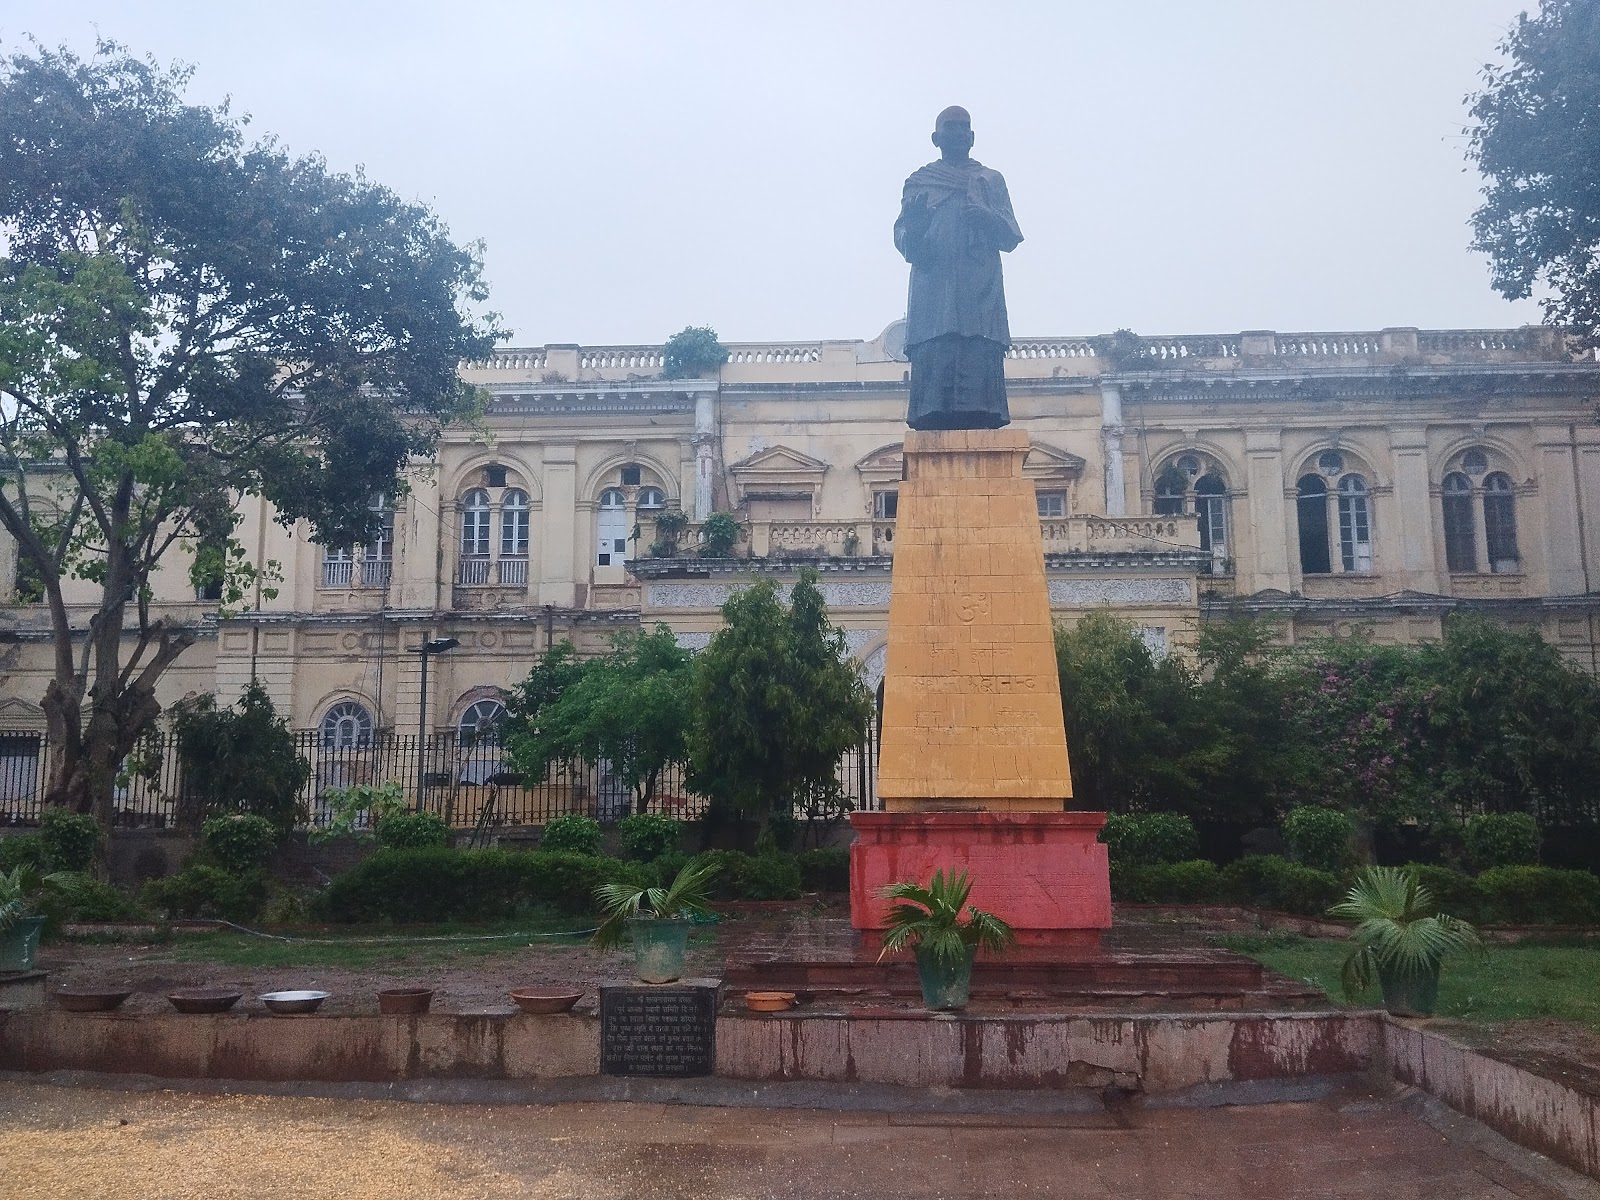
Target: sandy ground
[70,1143]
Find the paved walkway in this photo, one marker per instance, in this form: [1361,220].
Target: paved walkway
[66,1143]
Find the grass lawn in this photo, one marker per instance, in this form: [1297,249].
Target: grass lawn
[356,948]
[1507,983]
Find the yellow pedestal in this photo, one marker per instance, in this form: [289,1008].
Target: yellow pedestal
[971,698]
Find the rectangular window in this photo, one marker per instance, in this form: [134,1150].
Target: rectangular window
[1312,511]
[1355,534]
[1052,504]
[885,505]
[1460,538]
[338,566]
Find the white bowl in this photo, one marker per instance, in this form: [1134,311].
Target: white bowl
[293,1002]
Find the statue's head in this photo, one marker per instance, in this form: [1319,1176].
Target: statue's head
[952,131]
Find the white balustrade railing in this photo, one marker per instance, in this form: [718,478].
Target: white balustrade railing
[776,352]
[376,572]
[472,572]
[618,358]
[1327,345]
[512,572]
[1051,348]
[337,572]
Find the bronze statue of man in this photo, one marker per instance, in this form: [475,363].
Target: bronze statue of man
[955,219]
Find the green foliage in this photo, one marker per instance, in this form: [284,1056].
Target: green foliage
[1455,892]
[413,831]
[1501,840]
[937,920]
[693,352]
[826,869]
[776,703]
[23,850]
[204,891]
[469,885]
[1140,839]
[1399,929]
[187,318]
[240,760]
[68,839]
[1539,896]
[1197,881]
[670,524]
[770,876]
[572,834]
[1319,837]
[719,535]
[629,708]
[1268,881]
[359,810]
[26,891]
[95,901]
[684,897]
[1536,142]
[645,837]
[240,843]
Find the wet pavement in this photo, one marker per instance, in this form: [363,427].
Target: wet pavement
[85,1142]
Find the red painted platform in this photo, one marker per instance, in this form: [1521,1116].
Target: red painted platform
[1045,873]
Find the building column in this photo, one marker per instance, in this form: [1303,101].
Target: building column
[1555,468]
[1268,524]
[705,453]
[1410,514]
[559,525]
[422,563]
[1588,439]
[1116,484]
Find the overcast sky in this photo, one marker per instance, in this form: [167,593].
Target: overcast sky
[1186,166]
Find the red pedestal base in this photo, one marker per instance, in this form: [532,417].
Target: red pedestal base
[1044,873]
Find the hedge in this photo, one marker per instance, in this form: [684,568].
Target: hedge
[1141,839]
[470,885]
[1197,881]
[825,870]
[1268,881]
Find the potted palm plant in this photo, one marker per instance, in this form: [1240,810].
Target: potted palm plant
[1400,938]
[23,891]
[944,933]
[657,920]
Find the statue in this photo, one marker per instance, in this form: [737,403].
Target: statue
[955,219]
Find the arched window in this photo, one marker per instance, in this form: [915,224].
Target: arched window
[1211,504]
[1171,487]
[1311,510]
[1355,525]
[514,524]
[473,569]
[651,498]
[480,724]
[1460,530]
[1500,524]
[346,726]
[611,532]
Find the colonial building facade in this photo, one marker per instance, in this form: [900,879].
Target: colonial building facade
[1332,480]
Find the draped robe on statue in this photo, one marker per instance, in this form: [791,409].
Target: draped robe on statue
[955,219]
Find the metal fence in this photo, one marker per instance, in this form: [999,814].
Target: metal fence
[467,783]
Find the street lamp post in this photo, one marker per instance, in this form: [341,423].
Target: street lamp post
[428,648]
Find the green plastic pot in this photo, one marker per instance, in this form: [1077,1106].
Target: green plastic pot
[1409,994]
[20,943]
[659,945]
[945,984]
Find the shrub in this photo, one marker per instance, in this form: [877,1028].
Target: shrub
[825,870]
[201,890]
[1455,893]
[239,844]
[91,900]
[1197,881]
[1268,881]
[413,831]
[1141,839]
[666,867]
[1319,837]
[469,885]
[770,877]
[69,839]
[645,837]
[1501,840]
[572,834]
[23,850]
[1539,896]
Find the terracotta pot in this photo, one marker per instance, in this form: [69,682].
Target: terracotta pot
[90,999]
[545,1002]
[204,1000]
[768,1001]
[405,1002]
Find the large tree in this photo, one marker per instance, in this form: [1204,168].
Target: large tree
[187,317]
[1537,142]
[776,703]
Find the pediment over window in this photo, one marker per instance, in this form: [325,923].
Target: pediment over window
[17,713]
[1047,463]
[777,473]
